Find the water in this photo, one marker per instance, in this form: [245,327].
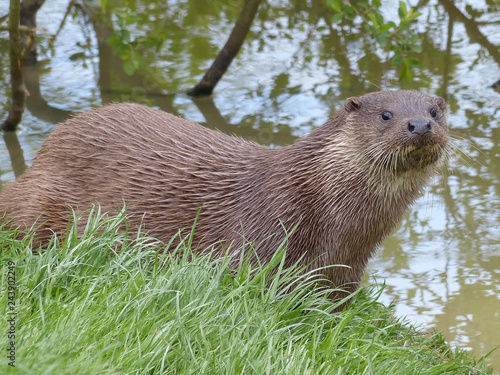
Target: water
[442,266]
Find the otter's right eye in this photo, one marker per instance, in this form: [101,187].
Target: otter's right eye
[386,115]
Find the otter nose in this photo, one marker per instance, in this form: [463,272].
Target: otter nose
[419,127]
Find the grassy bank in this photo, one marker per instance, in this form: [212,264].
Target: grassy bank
[109,303]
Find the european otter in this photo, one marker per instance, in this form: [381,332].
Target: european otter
[347,184]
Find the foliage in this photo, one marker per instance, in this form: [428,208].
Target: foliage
[399,38]
[109,302]
[125,45]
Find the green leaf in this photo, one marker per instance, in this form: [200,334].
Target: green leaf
[128,67]
[412,62]
[334,5]
[113,41]
[402,74]
[363,5]
[119,21]
[139,61]
[124,51]
[414,15]
[403,42]
[397,60]
[382,40]
[337,17]
[403,10]
[125,35]
[372,30]
[389,25]
[380,18]
[373,18]
[416,48]
[131,19]
[406,71]
[409,74]
[350,11]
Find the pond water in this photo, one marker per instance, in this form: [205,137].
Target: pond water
[442,266]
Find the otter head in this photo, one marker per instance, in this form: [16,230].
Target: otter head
[399,131]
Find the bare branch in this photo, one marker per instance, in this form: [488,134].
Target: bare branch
[18,87]
[229,51]
[23,29]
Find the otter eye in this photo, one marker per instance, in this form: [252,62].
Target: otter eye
[386,115]
[433,112]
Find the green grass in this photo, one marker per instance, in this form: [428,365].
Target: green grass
[112,303]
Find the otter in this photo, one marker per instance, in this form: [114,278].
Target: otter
[345,186]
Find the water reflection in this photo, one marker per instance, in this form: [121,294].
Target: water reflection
[15,153]
[442,267]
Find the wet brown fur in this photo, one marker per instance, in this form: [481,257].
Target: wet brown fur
[348,183]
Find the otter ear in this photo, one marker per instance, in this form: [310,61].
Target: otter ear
[352,104]
[441,103]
